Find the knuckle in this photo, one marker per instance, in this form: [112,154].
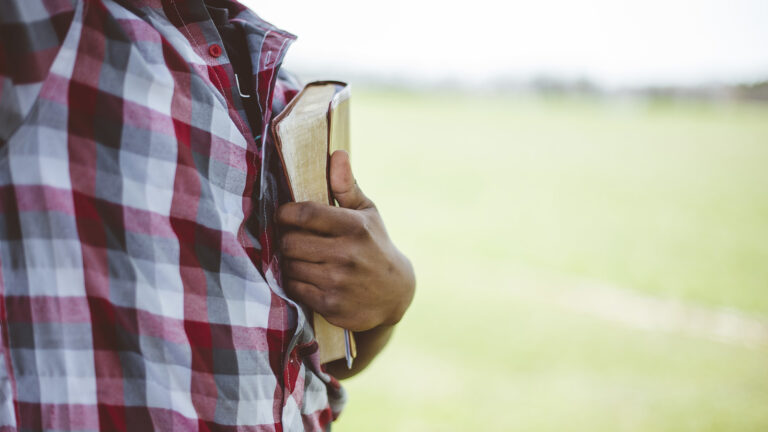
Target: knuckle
[359,226]
[335,305]
[336,279]
[348,260]
[331,304]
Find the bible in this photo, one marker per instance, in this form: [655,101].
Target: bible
[310,128]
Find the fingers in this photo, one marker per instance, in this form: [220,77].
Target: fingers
[314,285]
[317,274]
[304,246]
[304,293]
[320,218]
[343,184]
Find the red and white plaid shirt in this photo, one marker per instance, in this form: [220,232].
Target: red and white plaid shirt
[139,284]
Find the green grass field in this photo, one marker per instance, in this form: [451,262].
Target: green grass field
[515,210]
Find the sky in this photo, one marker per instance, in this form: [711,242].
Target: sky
[614,43]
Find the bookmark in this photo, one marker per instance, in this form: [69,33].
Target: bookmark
[348,348]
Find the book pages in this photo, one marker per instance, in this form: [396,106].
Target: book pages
[339,122]
[304,144]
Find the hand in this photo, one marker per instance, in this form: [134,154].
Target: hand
[340,262]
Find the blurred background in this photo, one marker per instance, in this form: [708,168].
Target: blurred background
[582,187]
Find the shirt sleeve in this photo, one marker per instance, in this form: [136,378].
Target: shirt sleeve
[31,34]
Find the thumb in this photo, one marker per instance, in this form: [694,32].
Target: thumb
[343,184]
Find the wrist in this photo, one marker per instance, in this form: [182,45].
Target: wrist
[406,290]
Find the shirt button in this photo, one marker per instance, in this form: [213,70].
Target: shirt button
[215,50]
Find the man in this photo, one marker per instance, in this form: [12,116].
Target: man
[143,283]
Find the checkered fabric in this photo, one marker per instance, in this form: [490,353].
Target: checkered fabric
[139,284]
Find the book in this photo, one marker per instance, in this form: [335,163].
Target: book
[310,128]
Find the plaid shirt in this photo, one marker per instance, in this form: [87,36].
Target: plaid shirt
[139,285]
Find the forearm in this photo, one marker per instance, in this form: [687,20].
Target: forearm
[369,345]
